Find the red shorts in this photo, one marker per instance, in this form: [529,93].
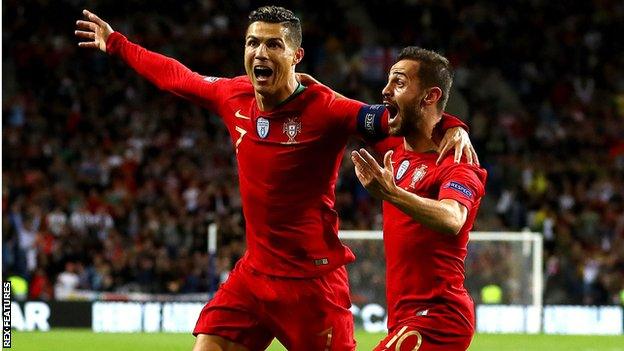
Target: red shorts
[429,333]
[251,309]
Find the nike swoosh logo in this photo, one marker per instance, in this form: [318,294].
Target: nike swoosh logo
[238,115]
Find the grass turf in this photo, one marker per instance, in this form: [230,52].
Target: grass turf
[83,340]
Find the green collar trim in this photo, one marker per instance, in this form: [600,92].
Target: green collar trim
[300,88]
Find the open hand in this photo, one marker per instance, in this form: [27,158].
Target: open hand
[378,181]
[95,30]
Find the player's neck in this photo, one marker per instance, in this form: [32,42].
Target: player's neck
[419,143]
[421,140]
[268,102]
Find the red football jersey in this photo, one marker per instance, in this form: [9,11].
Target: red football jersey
[425,268]
[288,159]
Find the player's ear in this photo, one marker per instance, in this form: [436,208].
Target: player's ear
[298,56]
[433,96]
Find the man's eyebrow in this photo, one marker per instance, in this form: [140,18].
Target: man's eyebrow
[398,73]
[267,39]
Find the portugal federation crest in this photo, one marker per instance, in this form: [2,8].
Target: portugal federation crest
[419,173]
[292,127]
[262,127]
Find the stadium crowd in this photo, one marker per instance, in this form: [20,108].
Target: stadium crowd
[109,184]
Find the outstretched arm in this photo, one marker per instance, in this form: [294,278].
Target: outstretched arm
[445,216]
[166,73]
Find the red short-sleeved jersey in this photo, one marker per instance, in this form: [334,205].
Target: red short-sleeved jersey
[425,268]
[288,159]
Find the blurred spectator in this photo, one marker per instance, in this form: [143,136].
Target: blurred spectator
[26,227]
[67,281]
[40,287]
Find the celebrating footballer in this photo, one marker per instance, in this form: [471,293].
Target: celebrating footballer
[428,211]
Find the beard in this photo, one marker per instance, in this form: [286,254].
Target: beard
[410,122]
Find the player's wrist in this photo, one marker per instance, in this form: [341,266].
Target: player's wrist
[397,196]
[113,42]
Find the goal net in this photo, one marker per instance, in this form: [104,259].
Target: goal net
[503,276]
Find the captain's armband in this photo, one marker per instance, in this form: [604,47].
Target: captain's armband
[372,122]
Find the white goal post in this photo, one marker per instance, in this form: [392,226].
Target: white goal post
[532,244]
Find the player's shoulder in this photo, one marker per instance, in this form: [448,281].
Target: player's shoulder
[232,87]
[448,164]
[319,93]
[323,98]
[240,83]
[319,90]
[463,177]
[319,98]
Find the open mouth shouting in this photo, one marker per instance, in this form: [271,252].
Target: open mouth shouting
[393,110]
[262,73]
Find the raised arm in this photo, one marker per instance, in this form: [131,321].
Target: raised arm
[164,72]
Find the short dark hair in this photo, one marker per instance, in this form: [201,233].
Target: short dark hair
[435,70]
[277,14]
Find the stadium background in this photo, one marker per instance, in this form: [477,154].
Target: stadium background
[109,184]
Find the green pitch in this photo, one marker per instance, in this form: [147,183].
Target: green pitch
[84,340]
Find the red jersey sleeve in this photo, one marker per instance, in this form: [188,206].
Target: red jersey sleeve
[387,144]
[447,122]
[463,183]
[168,74]
[370,122]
